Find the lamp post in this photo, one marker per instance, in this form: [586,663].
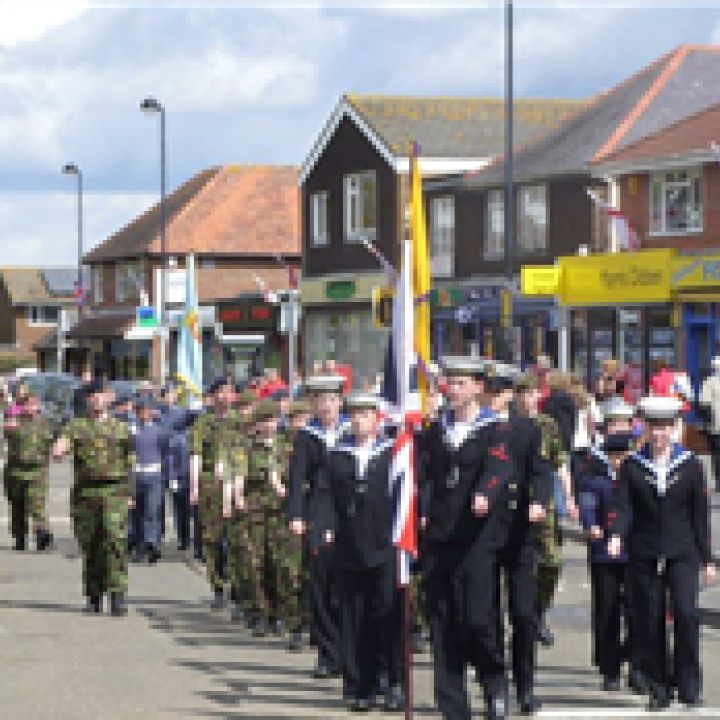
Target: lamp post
[71,168]
[151,105]
[507,310]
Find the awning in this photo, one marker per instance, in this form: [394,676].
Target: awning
[100,328]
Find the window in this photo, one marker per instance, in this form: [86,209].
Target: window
[43,314]
[319,219]
[97,284]
[495,230]
[442,236]
[207,263]
[128,281]
[532,219]
[676,202]
[360,207]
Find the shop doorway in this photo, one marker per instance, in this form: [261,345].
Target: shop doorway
[699,351]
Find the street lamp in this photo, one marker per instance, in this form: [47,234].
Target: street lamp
[507,311]
[151,105]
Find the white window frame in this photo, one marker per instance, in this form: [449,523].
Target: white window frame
[528,218]
[494,209]
[122,277]
[442,236]
[319,218]
[353,209]
[693,179]
[36,315]
[97,284]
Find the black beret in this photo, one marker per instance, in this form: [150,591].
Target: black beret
[619,442]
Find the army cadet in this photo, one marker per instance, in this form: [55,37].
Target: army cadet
[530,491]
[308,458]
[549,556]
[29,439]
[660,516]
[355,511]
[608,575]
[102,454]
[217,462]
[463,507]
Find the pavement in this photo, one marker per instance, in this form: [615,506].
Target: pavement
[172,657]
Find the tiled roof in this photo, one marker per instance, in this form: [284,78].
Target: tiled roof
[660,94]
[452,127]
[225,283]
[28,285]
[229,210]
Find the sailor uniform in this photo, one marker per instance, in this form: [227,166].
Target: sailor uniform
[354,501]
[662,515]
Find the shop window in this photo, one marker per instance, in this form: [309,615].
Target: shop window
[43,314]
[319,219]
[676,202]
[495,230]
[442,236]
[532,219]
[360,207]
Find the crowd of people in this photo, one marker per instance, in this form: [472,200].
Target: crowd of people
[287,501]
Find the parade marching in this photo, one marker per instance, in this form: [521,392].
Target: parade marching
[295,525]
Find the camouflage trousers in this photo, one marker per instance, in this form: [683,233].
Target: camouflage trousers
[267,561]
[27,493]
[100,516]
[549,561]
[215,529]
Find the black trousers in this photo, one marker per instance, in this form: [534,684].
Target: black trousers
[197,532]
[651,585]
[714,442]
[608,582]
[325,601]
[519,568]
[463,615]
[371,627]
[181,512]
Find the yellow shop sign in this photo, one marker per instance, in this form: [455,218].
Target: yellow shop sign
[539,279]
[695,272]
[610,279]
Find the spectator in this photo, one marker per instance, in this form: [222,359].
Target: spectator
[709,407]
[273,383]
[561,407]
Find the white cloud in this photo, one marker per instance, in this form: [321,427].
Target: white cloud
[41,228]
[24,21]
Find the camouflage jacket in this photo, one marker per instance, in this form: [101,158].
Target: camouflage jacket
[102,451]
[551,447]
[29,443]
[217,439]
[264,460]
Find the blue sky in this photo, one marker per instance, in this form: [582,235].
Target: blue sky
[245,84]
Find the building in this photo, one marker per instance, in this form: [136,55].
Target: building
[355,190]
[243,225]
[32,303]
[555,217]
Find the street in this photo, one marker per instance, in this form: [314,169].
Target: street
[173,657]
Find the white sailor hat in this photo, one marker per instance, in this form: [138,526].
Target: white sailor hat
[660,408]
[615,408]
[362,401]
[502,376]
[318,384]
[454,365]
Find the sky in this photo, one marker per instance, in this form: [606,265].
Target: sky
[255,83]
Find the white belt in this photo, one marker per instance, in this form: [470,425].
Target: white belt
[147,469]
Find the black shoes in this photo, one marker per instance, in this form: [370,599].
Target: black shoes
[529,704]
[20,543]
[118,608]
[545,635]
[637,682]
[323,671]
[260,630]
[94,605]
[611,684]
[153,555]
[659,702]
[394,699]
[43,540]
[360,705]
[218,601]
[295,641]
[497,708]
[238,613]
[418,642]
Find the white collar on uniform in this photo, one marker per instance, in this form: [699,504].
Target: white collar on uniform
[362,454]
[456,434]
[329,437]
[662,476]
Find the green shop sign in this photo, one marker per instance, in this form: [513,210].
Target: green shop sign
[340,289]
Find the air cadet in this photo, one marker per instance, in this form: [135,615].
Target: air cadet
[308,458]
[355,511]
[661,518]
[608,575]
[463,510]
[530,491]
[29,439]
[101,448]
[216,463]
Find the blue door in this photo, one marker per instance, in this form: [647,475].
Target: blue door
[700,333]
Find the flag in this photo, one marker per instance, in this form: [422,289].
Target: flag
[421,275]
[189,351]
[397,390]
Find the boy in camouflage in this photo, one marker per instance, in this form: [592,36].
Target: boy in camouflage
[29,438]
[217,463]
[102,454]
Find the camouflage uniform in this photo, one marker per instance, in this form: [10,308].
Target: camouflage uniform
[26,474]
[214,440]
[103,459]
[549,556]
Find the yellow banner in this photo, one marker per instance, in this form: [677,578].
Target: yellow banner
[691,272]
[539,279]
[616,278]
